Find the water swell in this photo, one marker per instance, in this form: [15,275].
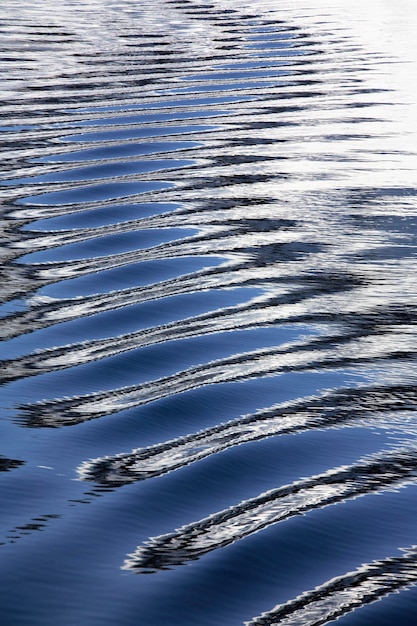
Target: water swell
[348,408]
[200,204]
[343,594]
[240,367]
[394,469]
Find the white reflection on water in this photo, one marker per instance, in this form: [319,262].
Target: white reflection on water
[303,187]
[343,594]
[385,32]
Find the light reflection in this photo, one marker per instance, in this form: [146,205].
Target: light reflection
[375,474]
[305,189]
[346,593]
[383,407]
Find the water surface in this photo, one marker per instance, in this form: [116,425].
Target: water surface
[208,311]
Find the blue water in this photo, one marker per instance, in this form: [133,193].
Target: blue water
[208,310]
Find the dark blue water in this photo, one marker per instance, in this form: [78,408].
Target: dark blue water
[208,313]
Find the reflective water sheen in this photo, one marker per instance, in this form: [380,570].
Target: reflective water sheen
[208,313]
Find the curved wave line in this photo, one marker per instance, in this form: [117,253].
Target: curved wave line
[376,474]
[343,594]
[364,407]
[294,356]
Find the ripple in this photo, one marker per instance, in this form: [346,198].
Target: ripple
[208,234]
[394,469]
[345,593]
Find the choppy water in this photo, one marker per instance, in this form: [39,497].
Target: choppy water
[209,229]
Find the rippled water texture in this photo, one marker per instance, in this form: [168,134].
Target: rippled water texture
[208,313]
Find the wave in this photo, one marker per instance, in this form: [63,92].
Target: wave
[343,594]
[210,208]
[393,406]
[394,469]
